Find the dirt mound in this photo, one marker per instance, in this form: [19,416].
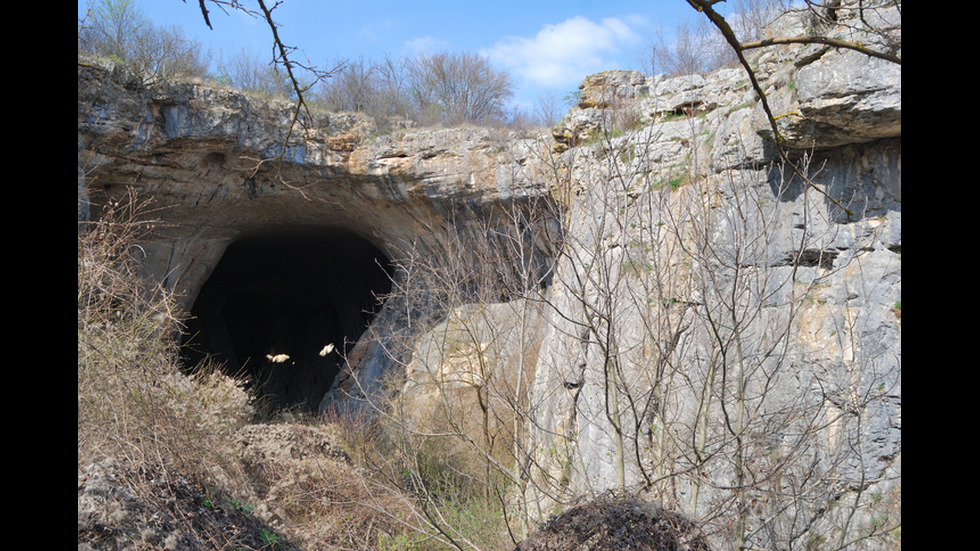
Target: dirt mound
[616,522]
[122,508]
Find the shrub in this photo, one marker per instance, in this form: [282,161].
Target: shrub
[157,461]
[697,46]
[117,30]
[248,72]
[444,88]
[133,401]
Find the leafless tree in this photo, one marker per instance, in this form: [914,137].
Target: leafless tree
[117,30]
[694,45]
[110,28]
[247,71]
[355,88]
[374,87]
[457,87]
[444,88]
[549,109]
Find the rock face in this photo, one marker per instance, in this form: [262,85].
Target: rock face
[697,313]
[724,316]
[281,237]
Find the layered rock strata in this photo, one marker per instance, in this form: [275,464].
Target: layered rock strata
[298,225]
[730,327]
[696,313]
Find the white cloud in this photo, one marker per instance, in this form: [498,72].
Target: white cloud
[425,45]
[564,53]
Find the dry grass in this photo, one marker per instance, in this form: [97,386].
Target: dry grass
[305,475]
[157,467]
[171,461]
[133,401]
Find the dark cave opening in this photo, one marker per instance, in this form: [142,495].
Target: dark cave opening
[282,308]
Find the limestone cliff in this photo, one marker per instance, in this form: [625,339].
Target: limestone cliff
[648,297]
[722,315]
[297,227]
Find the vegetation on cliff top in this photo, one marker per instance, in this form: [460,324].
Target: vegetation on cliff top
[161,461]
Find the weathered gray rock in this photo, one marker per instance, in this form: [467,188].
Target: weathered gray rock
[684,245]
[220,166]
[659,282]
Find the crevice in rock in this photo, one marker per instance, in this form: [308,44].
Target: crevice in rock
[810,258]
[283,307]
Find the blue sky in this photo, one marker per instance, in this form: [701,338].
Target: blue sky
[547,47]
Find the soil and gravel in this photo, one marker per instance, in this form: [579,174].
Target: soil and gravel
[616,522]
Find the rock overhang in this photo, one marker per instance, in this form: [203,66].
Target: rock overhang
[329,219]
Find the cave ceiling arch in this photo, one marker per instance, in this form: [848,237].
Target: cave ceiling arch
[246,229]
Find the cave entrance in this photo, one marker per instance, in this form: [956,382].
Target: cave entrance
[282,309]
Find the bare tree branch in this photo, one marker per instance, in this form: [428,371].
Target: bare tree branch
[204,13]
[836,43]
[706,7]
